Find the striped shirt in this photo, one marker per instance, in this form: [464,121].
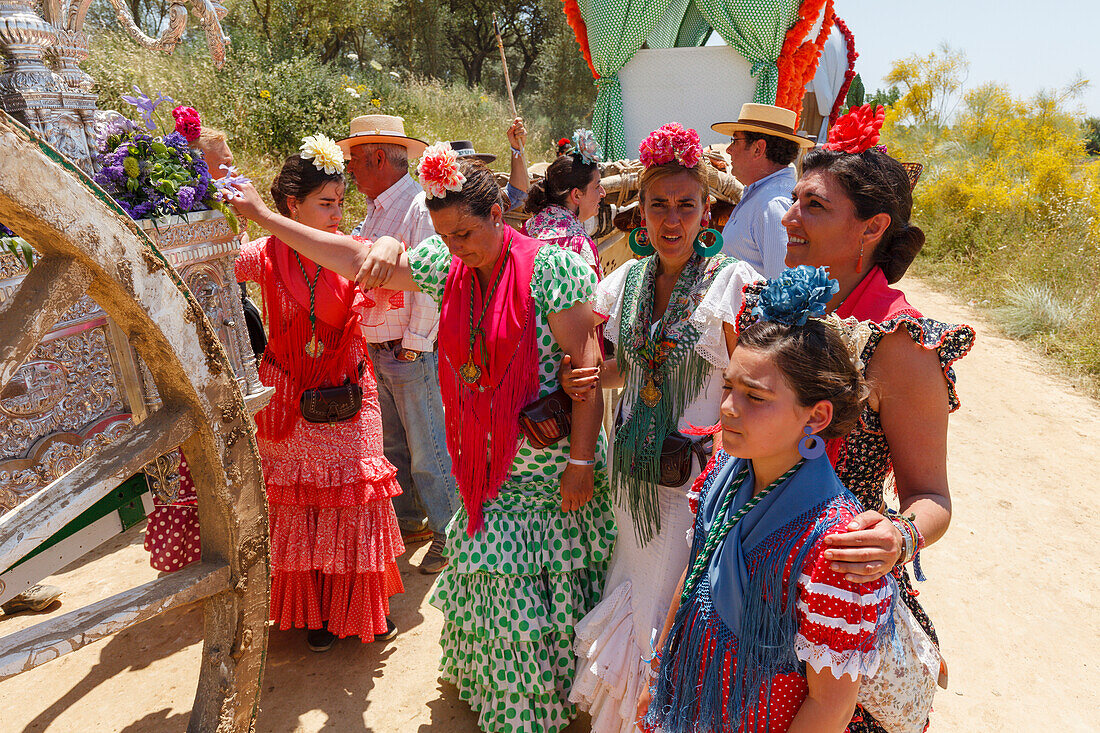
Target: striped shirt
[400,212]
[754,232]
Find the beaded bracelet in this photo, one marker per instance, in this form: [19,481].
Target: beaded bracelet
[913,542]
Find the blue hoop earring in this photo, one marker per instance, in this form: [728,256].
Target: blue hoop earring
[639,242]
[708,243]
[812,446]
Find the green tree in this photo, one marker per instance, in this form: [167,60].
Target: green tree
[1091,127]
[885,97]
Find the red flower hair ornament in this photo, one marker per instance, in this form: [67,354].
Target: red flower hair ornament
[856,131]
[671,142]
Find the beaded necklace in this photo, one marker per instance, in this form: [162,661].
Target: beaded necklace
[720,528]
[314,348]
[471,371]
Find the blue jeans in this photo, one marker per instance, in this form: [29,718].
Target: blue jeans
[413,435]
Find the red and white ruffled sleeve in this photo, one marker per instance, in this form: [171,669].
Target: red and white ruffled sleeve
[838,620]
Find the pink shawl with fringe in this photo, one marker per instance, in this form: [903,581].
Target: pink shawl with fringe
[482,419]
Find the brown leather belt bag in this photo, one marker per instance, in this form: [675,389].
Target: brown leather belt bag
[547,420]
[331,404]
[676,452]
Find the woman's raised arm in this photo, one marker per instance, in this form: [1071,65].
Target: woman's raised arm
[382,262]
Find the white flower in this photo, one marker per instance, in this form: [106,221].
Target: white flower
[324,152]
[351,56]
[352,91]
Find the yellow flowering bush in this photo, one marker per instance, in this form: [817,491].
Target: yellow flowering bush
[1010,203]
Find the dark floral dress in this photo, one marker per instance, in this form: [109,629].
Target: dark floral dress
[863,463]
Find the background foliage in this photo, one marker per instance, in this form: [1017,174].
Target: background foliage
[1009,200]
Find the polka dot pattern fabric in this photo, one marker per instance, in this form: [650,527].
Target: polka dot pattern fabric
[512,594]
[172,535]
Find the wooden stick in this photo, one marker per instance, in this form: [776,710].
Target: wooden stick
[504,62]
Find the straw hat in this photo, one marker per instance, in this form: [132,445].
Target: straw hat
[766,119]
[380,129]
[465,149]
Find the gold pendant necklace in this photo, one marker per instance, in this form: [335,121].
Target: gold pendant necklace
[650,393]
[470,372]
[314,348]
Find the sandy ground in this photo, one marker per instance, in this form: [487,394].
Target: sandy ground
[1011,589]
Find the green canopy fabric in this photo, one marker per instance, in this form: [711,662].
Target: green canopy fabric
[616,30]
[756,29]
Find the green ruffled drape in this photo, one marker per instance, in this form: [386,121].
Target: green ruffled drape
[756,29]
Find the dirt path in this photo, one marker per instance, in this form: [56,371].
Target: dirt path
[1011,589]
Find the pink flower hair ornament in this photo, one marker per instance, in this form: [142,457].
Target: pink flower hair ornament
[438,171]
[671,142]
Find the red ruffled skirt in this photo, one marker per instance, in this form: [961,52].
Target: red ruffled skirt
[334,534]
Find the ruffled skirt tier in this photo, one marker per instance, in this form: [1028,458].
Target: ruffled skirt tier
[334,536]
[510,598]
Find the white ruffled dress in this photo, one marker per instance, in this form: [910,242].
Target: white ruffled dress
[613,638]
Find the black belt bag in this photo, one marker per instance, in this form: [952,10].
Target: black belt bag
[676,452]
[331,404]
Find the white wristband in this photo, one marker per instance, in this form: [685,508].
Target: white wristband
[575,462]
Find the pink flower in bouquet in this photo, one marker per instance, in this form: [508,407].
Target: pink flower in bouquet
[188,123]
[856,131]
[438,171]
[671,142]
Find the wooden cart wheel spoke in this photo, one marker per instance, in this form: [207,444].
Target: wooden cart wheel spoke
[87,245]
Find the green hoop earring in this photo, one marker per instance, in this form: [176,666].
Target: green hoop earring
[639,242]
[708,243]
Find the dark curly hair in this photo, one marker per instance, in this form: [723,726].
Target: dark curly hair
[815,363]
[298,178]
[876,184]
[478,194]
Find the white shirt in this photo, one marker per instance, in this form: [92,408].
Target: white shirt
[400,212]
[754,232]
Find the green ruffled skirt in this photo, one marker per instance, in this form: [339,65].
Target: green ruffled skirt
[510,597]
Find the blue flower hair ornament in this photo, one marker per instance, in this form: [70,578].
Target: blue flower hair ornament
[796,295]
[585,146]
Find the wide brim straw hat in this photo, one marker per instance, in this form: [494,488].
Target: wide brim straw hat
[766,119]
[465,149]
[381,129]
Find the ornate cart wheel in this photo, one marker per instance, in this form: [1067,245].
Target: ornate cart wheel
[86,245]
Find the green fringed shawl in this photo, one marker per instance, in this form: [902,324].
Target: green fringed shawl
[681,373]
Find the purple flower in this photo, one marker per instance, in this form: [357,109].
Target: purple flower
[176,140]
[146,105]
[227,185]
[186,197]
[141,210]
[5,232]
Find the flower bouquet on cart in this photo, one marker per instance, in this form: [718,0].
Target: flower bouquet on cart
[152,174]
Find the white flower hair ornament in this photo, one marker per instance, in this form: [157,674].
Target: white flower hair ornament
[439,172]
[324,152]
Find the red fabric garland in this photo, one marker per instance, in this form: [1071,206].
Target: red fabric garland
[850,74]
[799,58]
[580,31]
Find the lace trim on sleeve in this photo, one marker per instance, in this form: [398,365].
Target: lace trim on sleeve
[720,305]
[851,662]
[950,341]
[609,299]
